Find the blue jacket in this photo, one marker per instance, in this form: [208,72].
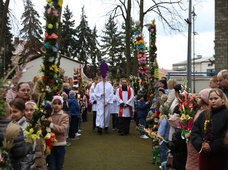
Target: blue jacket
[73,106]
[163,129]
[142,109]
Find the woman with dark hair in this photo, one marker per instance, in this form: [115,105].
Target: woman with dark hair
[23,91]
[174,106]
[163,84]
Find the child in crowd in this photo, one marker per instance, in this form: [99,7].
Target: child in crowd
[59,123]
[40,162]
[21,154]
[29,110]
[66,88]
[177,145]
[163,131]
[66,110]
[193,156]
[114,110]
[208,132]
[74,112]
[142,113]
[17,112]
[93,101]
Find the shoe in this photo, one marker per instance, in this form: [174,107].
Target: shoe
[106,130]
[79,130]
[76,138]
[160,167]
[68,143]
[78,134]
[113,129]
[122,133]
[144,137]
[99,131]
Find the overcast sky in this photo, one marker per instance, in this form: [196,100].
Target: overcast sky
[171,48]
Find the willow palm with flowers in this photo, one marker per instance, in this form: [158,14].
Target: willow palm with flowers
[33,132]
[193,156]
[187,108]
[209,130]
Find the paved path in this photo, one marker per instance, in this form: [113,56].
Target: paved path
[109,151]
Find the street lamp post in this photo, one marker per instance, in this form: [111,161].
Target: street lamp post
[194,33]
[189,54]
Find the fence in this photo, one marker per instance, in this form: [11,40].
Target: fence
[199,81]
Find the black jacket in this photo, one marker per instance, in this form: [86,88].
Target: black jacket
[178,149]
[219,117]
[21,154]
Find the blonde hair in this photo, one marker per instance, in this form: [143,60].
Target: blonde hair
[171,83]
[221,94]
[33,104]
[66,85]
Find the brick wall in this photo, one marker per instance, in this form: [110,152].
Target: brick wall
[221,34]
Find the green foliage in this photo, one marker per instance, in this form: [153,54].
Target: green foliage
[95,54]
[32,30]
[113,49]
[68,38]
[7,47]
[52,80]
[2,99]
[153,72]
[84,41]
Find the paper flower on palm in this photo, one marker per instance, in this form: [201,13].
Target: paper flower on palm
[32,133]
[50,139]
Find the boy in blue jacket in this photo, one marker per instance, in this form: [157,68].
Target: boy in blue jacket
[142,113]
[73,112]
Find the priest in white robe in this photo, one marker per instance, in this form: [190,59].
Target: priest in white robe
[93,100]
[104,95]
[125,97]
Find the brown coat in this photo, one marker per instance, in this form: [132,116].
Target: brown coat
[60,122]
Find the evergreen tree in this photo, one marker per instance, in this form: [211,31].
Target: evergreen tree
[7,47]
[84,41]
[113,49]
[68,41]
[95,54]
[32,29]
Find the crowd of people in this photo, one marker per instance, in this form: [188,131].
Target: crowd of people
[204,147]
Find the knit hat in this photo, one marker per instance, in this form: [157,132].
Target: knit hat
[57,98]
[204,95]
[140,95]
[65,96]
[174,120]
[72,93]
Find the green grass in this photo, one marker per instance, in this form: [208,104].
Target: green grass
[108,151]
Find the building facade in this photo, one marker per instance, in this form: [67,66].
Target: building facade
[221,34]
[202,69]
[199,64]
